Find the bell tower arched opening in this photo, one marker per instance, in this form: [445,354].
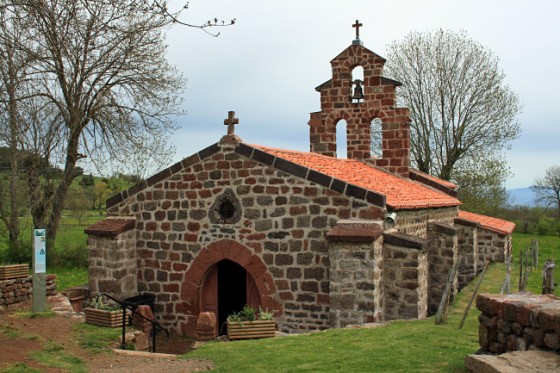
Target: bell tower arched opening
[357,91]
[376,138]
[342,139]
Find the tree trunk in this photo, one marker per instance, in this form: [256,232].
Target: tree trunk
[12,222]
[62,189]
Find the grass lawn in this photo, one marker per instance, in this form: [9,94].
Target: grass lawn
[401,346]
[69,277]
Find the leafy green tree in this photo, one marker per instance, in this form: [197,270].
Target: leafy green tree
[87,181]
[482,187]
[462,111]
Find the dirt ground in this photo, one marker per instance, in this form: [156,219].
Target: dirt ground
[19,337]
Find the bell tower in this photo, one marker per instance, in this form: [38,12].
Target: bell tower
[360,101]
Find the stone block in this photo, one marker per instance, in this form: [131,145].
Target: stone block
[206,326]
[549,318]
[552,341]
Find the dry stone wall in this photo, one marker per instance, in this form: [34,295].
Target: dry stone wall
[518,322]
[21,289]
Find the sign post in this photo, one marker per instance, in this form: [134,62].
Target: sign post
[39,270]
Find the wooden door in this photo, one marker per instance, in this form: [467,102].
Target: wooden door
[253,296]
[209,295]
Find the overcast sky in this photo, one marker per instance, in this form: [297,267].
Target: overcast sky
[266,67]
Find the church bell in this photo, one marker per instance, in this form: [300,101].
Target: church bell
[358,91]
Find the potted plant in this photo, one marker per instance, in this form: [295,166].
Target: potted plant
[9,271]
[104,314]
[250,323]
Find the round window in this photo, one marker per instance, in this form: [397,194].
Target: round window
[226,209]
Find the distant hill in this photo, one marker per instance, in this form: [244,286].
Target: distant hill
[522,197]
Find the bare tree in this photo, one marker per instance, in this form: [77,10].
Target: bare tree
[14,68]
[459,103]
[547,188]
[98,78]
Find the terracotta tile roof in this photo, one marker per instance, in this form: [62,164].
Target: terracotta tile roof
[437,180]
[488,222]
[401,193]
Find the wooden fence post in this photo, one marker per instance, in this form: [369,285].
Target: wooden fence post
[520,286]
[506,285]
[548,276]
[441,315]
[474,295]
[536,254]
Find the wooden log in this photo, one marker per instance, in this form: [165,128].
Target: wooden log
[441,315]
[466,313]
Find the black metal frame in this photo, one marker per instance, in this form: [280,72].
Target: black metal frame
[132,307]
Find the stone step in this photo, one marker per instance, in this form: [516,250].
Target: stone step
[534,361]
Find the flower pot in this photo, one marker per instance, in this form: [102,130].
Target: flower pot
[14,271]
[77,303]
[112,319]
[251,329]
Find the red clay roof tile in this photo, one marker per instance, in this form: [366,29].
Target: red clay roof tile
[401,193]
[445,183]
[488,222]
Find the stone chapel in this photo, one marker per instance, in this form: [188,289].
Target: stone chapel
[323,241]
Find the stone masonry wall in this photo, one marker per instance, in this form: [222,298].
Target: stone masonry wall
[283,219]
[492,246]
[518,322]
[354,283]
[467,239]
[405,277]
[112,264]
[442,254]
[21,289]
[415,222]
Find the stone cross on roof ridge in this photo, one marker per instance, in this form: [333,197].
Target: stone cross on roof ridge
[231,121]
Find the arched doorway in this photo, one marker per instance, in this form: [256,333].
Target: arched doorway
[194,299]
[227,288]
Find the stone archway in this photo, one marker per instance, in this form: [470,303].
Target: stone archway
[195,277]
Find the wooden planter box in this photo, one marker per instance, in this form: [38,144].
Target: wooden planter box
[14,271]
[112,319]
[251,329]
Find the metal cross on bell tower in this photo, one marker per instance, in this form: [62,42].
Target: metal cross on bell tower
[231,121]
[357,26]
